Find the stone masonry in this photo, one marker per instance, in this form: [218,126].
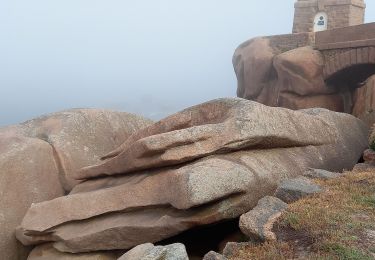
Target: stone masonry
[340,13]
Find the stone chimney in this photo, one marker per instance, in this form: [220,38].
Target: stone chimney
[319,15]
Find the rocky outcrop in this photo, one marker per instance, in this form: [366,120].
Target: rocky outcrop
[253,64]
[291,79]
[258,223]
[28,174]
[215,127]
[294,78]
[295,189]
[79,137]
[225,180]
[38,160]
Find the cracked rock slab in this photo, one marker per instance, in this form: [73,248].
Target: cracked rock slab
[111,212]
[292,190]
[258,223]
[218,126]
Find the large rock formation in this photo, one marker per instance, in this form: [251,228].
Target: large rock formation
[294,79]
[207,175]
[79,137]
[28,174]
[215,127]
[40,157]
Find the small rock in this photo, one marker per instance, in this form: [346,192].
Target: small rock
[137,252]
[321,174]
[232,248]
[214,256]
[157,253]
[150,252]
[258,222]
[294,189]
[369,156]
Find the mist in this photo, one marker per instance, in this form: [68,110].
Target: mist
[147,57]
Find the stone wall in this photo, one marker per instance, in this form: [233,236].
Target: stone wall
[341,13]
[349,37]
[287,42]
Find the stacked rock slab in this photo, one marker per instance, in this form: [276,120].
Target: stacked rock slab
[203,165]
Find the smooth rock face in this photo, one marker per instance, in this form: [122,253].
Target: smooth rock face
[80,137]
[150,252]
[214,256]
[253,64]
[47,252]
[258,223]
[295,189]
[321,174]
[110,213]
[219,126]
[28,174]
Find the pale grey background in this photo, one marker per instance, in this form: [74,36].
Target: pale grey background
[151,57]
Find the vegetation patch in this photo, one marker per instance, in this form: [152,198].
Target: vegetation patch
[336,224]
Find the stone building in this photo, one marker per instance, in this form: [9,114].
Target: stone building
[320,15]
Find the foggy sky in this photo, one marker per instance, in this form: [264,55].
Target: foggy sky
[151,57]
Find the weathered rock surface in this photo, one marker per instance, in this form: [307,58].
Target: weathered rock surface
[80,137]
[364,102]
[137,252]
[111,213]
[28,174]
[253,64]
[214,256]
[295,79]
[258,223]
[295,189]
[47,252]
[321,174]
[151,252]
[219,126]
[291,79]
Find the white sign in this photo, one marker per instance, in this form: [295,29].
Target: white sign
[320,22]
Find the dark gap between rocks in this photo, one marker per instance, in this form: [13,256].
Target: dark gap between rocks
[199,241]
